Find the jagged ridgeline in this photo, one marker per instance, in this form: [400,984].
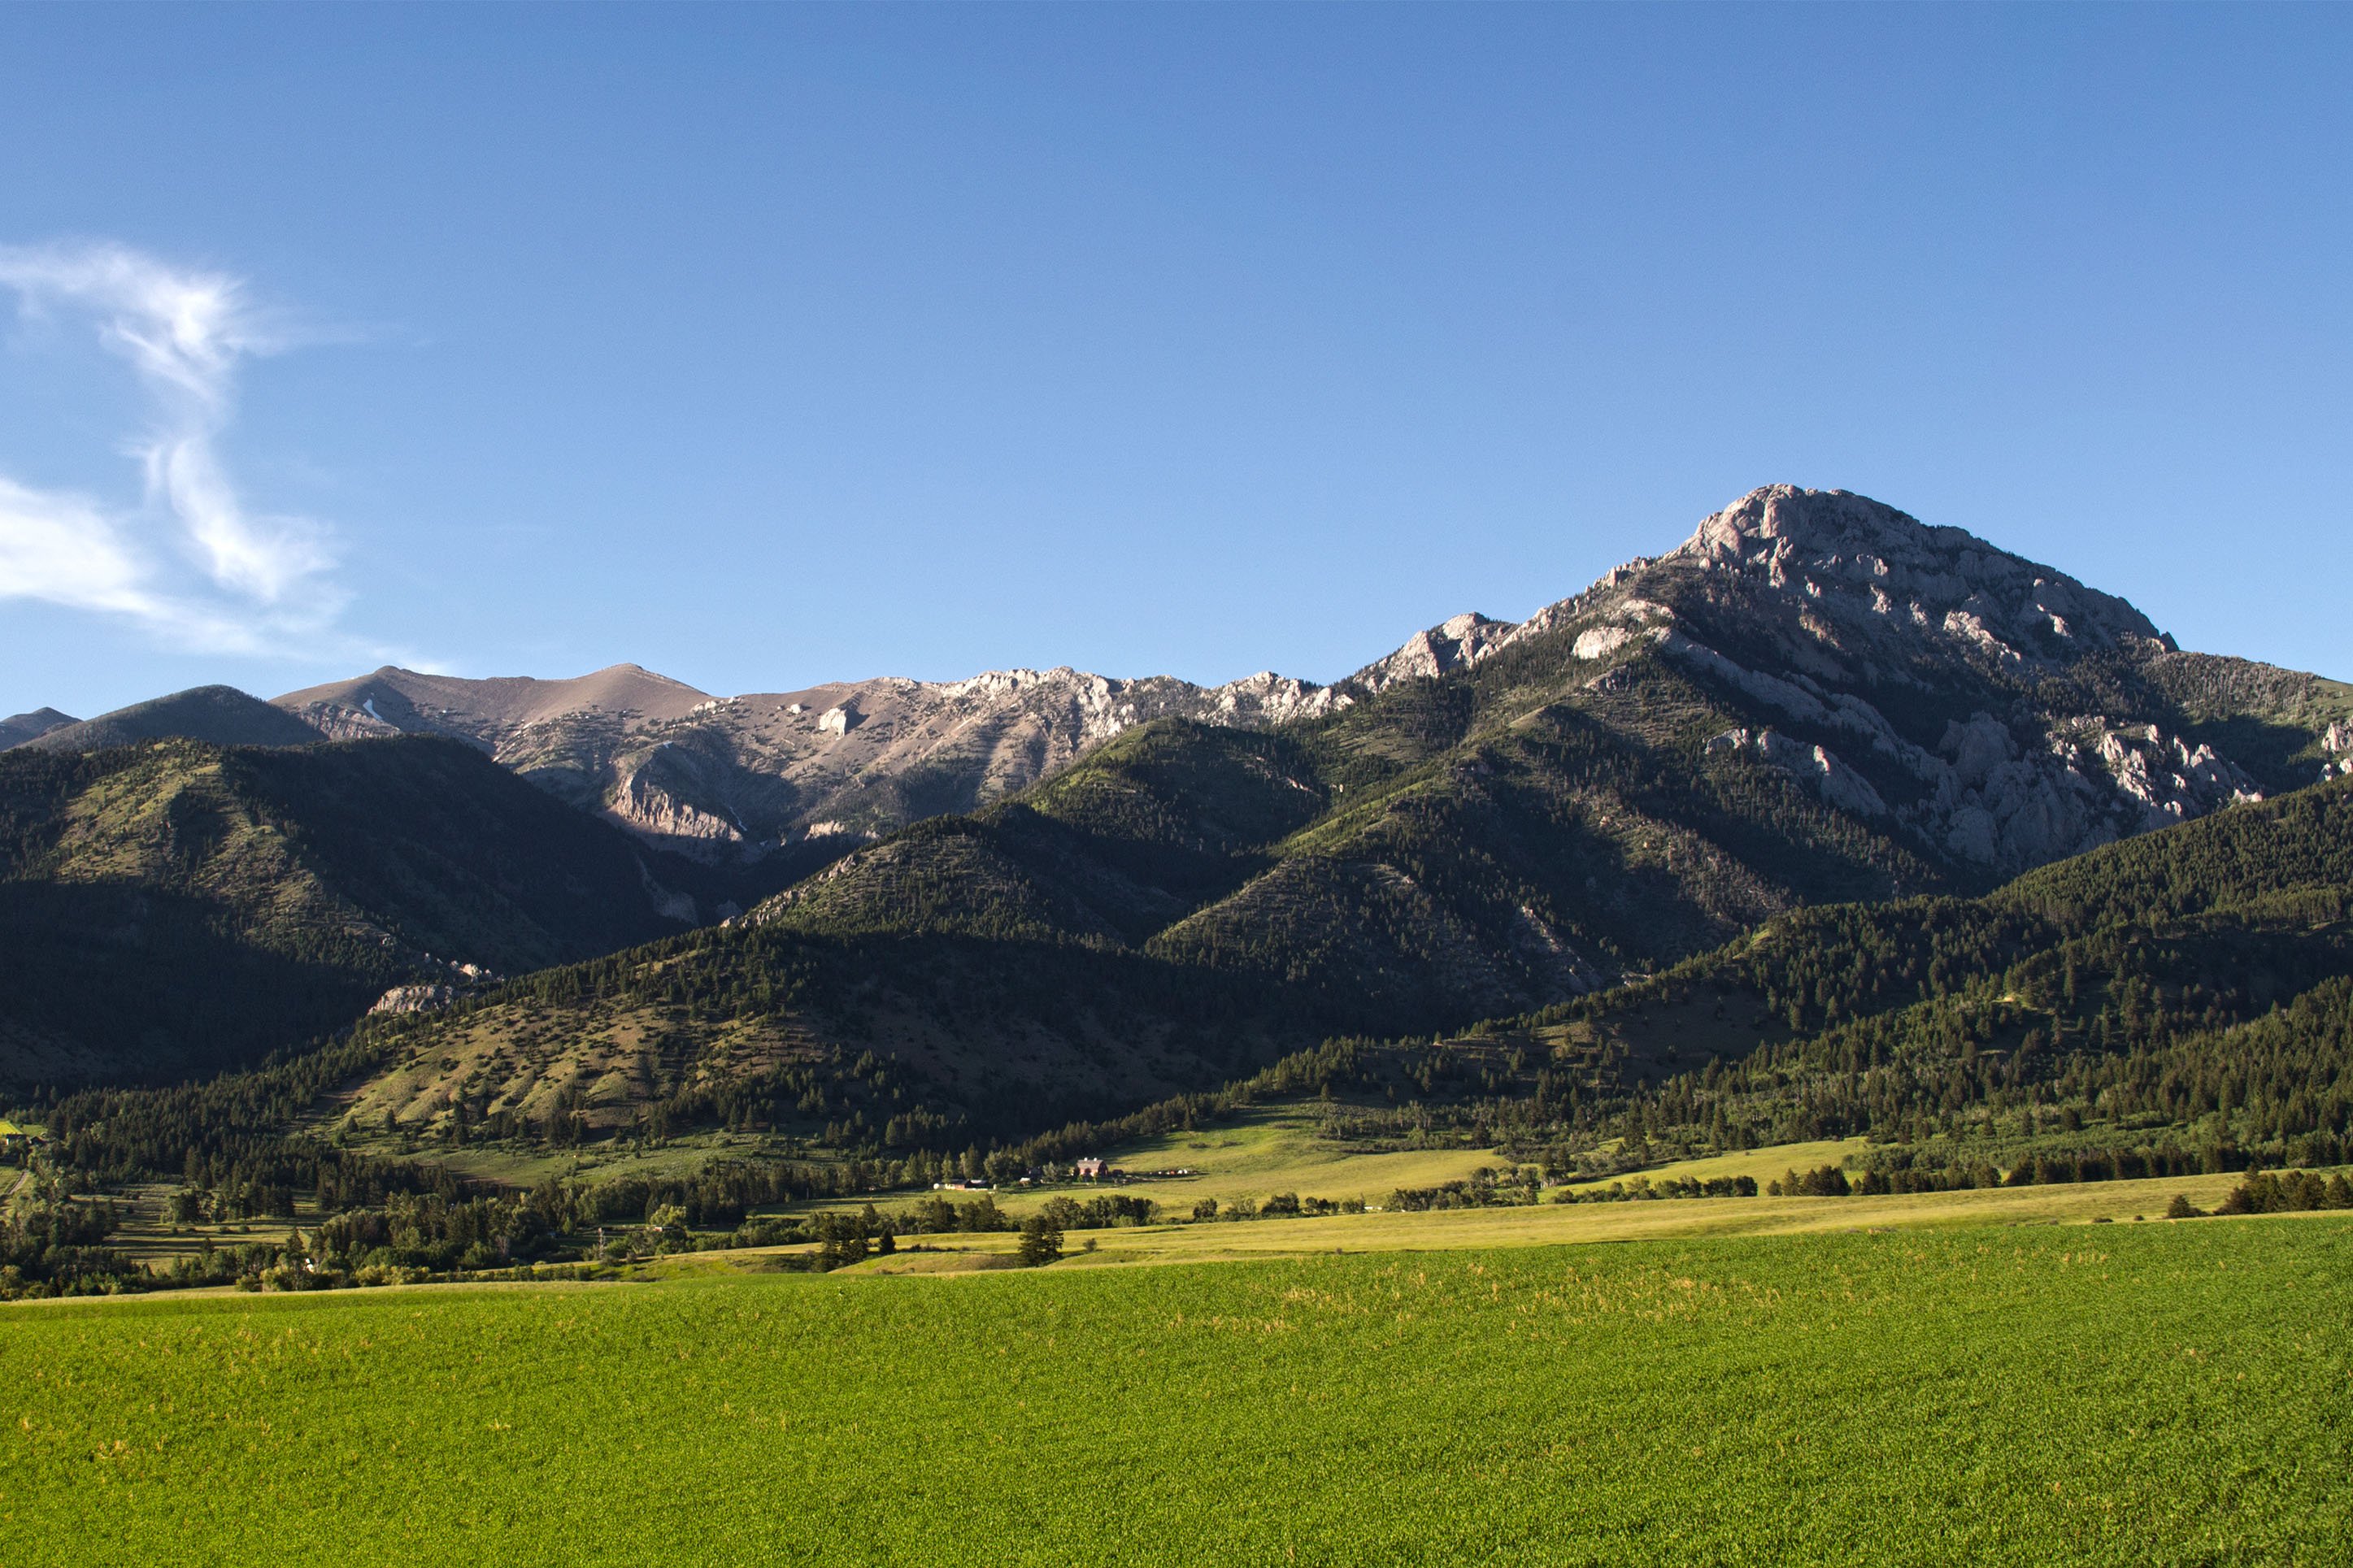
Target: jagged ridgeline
[172,906]
[1798,600]
[1814,700]
[1187,903]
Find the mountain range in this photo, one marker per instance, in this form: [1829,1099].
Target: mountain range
[1814,698]
[1821,573]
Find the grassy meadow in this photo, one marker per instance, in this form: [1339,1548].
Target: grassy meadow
[1551,1225]
[2156,1392]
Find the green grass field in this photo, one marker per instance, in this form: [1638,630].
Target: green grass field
[1272,1150]
[2156,1392]
[1276,1149]
[1554,1225]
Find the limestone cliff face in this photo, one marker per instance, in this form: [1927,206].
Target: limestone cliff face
[1835,577]
[2337,751]
[1443,650]
[1920,674]
[2001,711]
[1871,571]
[742,777]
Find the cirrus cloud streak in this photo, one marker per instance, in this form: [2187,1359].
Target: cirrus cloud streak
[189,561]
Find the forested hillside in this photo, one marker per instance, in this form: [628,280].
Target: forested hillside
[2192,988]
[1413,863]
[1596,795]
[218,715]
[1816,699]
[172,907]
[995,1018]
[1727,851]
[2181,1002]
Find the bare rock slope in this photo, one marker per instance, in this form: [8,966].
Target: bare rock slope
[744,776]
[1997,709]
[1815,698]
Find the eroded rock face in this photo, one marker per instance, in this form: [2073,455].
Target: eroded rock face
[1815,609]
[740,777]
[2085,784]
[1867,567]
[2337,751]
[1851,632]
[1984,797]
[657,792]
[414,999]
[1450,645]
[1844,572]
[1819,768]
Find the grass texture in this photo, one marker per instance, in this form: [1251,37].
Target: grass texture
[2155,1394]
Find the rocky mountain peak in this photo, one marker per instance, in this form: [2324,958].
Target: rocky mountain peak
[1811,613]
[1451,645]
[1862,561]
[1837,576]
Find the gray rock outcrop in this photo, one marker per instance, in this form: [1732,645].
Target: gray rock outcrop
[2337,751]
[414,999]
[1837,603]
[1849,632]
[742,778]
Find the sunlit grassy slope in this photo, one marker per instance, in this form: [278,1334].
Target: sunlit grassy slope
[1277,1150]
[2146,1393]
[1546,1225]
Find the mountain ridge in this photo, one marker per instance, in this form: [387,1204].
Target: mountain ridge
[175,906]
[1847,591]
[19,728]
[810,772]
[217,715]
[1815,700]
[795,773]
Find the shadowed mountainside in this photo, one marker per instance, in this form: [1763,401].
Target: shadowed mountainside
[1814,700]
[19,728]
[219,715]
[174,906]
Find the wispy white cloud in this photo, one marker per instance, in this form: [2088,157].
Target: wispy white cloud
[191,562]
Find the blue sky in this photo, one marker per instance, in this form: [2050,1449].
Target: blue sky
[765,346]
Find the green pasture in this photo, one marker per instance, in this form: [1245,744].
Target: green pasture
[1553,1225]
[1252,1154]
[1277,1150]
[2156,1392]
[1764,1165]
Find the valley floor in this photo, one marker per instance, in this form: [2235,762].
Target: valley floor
[1519,1226]
[1276,1150]
[1959,1389]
